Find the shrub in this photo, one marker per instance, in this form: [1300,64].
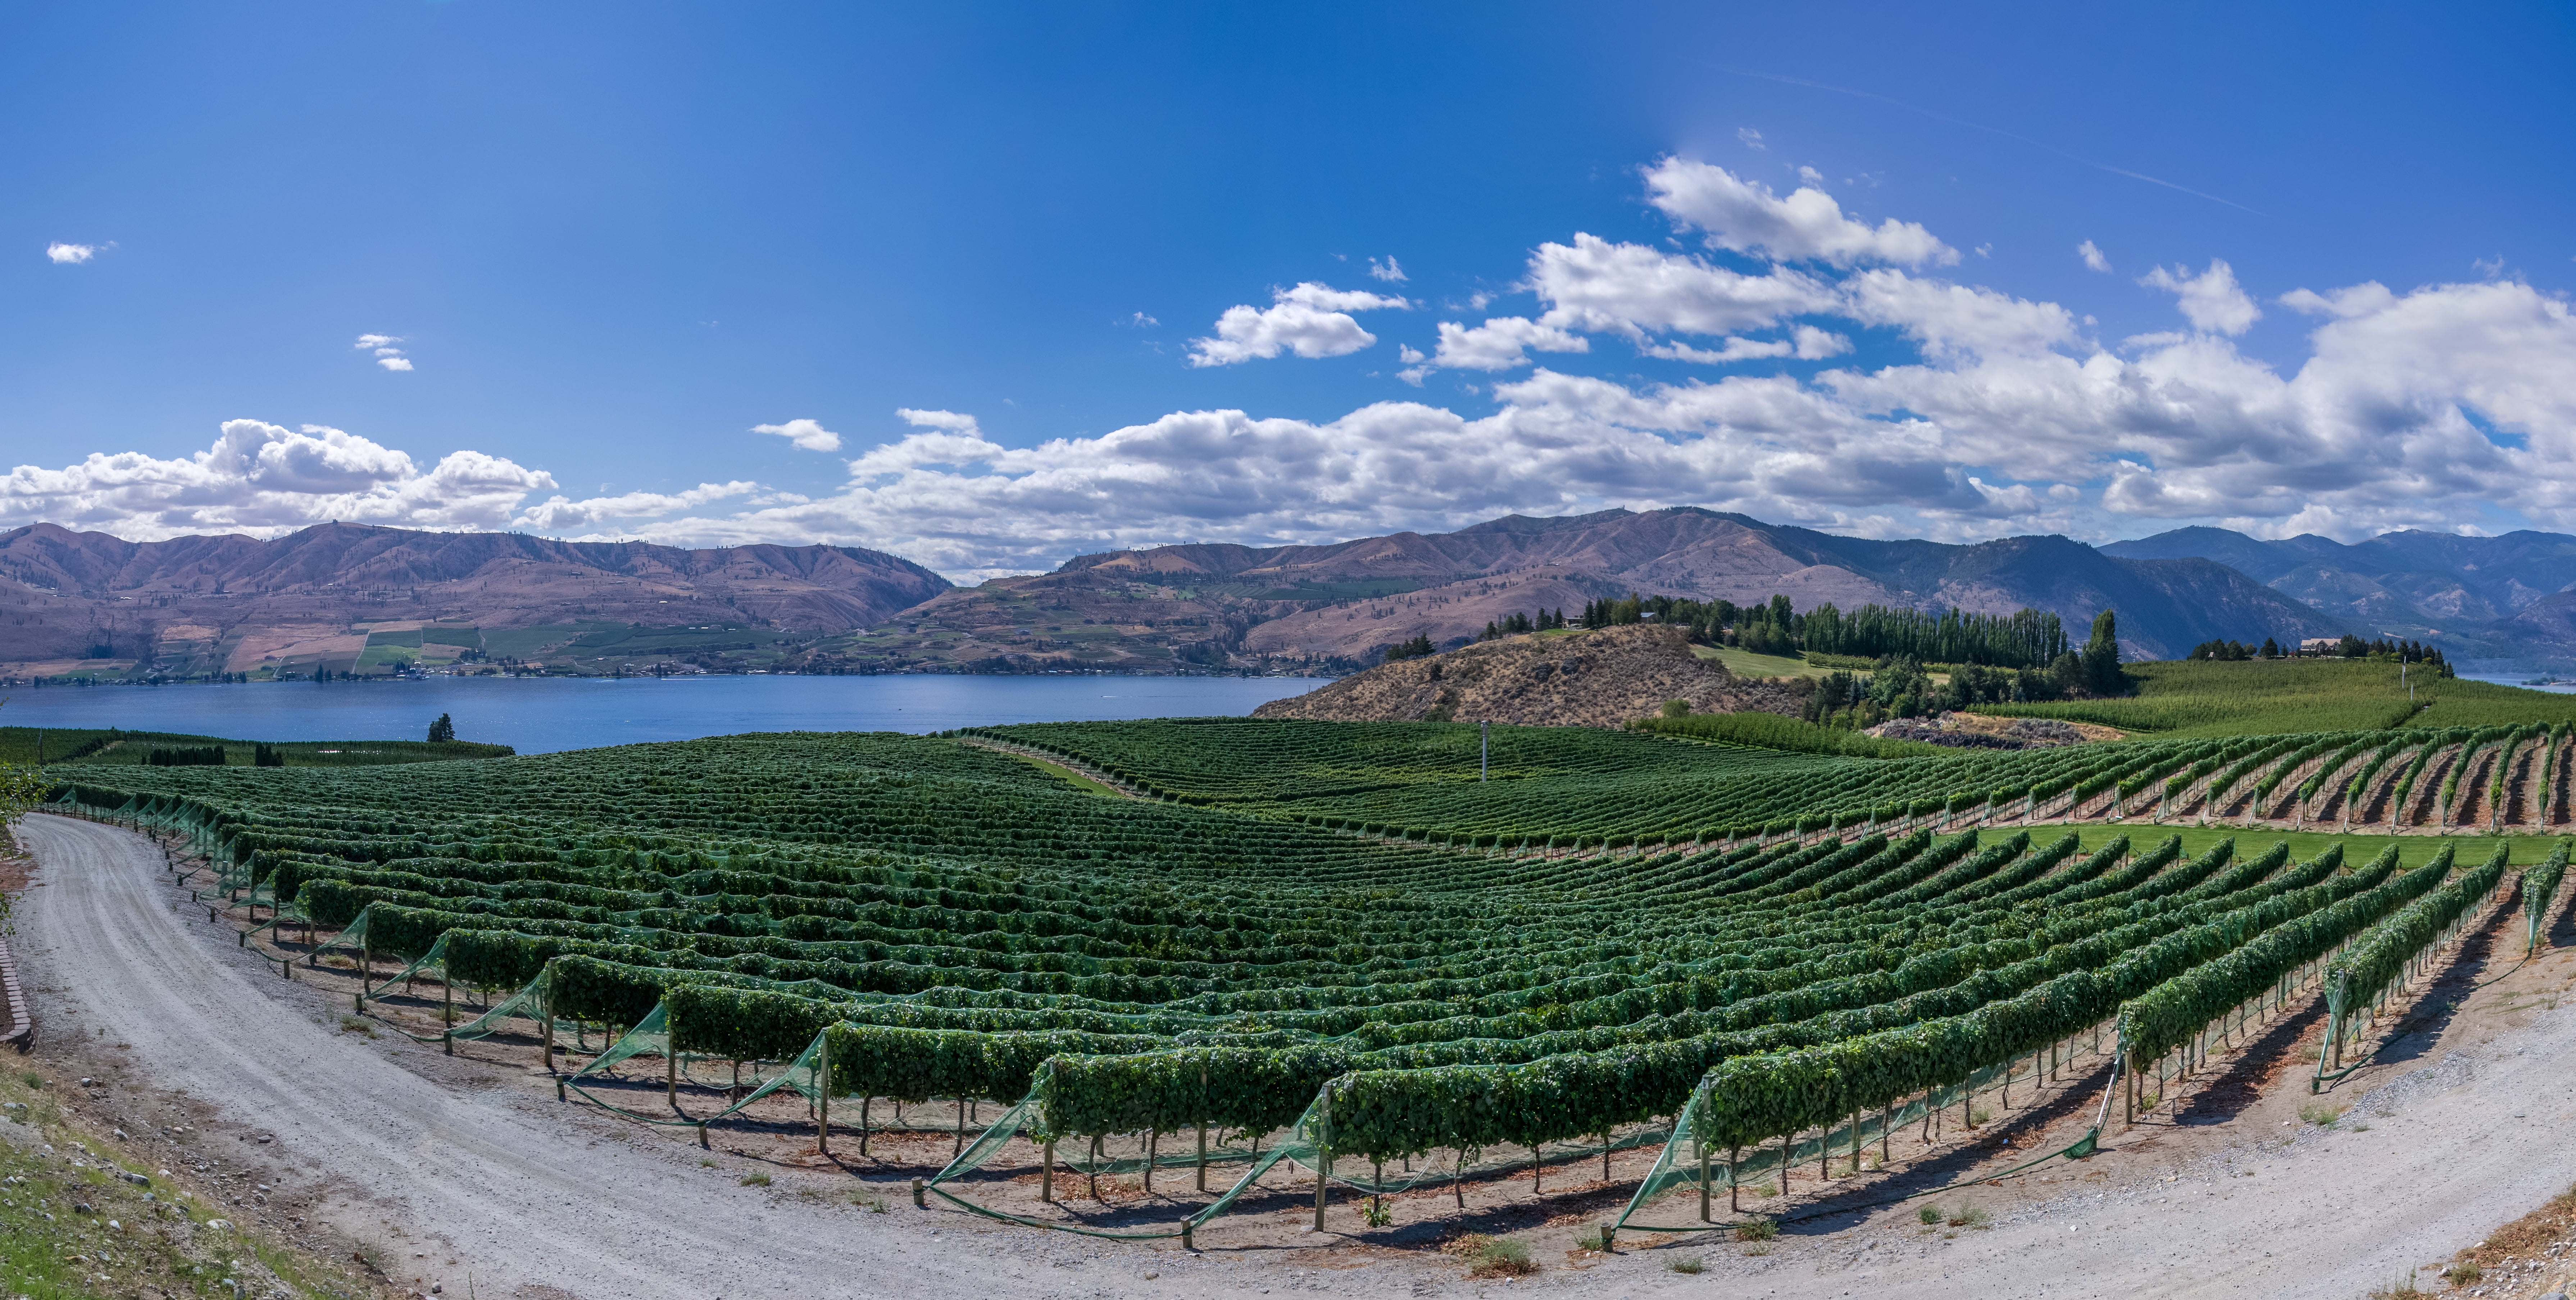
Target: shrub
[1756,1230]
[1501,1257]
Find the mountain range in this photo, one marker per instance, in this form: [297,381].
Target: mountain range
[2509,600]
[358,598]
[1340,605]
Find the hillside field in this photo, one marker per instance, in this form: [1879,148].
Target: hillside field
[1390,949]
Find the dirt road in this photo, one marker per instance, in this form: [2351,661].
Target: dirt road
[438,1159]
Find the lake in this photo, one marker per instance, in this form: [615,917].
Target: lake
[541,714]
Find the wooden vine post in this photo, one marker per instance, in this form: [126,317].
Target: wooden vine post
[1323,1152]
[823,1094]
[546,1013]
[1699,1148]
[671,1061]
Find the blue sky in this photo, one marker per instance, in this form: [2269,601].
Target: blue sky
[610,241]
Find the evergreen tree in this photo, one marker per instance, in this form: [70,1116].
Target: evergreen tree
[2101,671]
[442,730]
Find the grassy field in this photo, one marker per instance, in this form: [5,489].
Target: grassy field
[109,747]
[1745,663]
[2269,697]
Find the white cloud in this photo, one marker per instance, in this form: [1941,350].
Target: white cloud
[1311,320]
[1806,226]
[1736,349]
[1750,136]
[265,479]
[2211,300]
[1806,343]
[1142,321]
[556,513]
[1630,289]
[1499,344]
[1810,175]
[386,354]
[70,254]
[2093,258]
[807,435]
[1389,271]
[1955,320]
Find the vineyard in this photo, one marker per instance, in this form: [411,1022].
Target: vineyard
[1252,957]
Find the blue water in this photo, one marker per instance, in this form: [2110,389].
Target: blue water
[539,715]
[2557,688]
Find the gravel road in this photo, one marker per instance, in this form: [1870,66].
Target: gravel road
[438,1161]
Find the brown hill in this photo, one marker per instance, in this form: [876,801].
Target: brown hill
[1339,606]
[65,594]
[1582,679]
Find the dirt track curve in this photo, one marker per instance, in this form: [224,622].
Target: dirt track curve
[2474,1125]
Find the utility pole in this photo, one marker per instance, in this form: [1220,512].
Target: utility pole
[1484,750]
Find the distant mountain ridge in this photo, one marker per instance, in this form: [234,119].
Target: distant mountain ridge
[2509,599]
[1220,604]
[345,592]
[64,594]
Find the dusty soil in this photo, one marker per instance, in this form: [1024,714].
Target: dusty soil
[1589,679]
[466,1170]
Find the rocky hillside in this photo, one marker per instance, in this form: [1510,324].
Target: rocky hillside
[191,605]
[1338,607]
[1580,679]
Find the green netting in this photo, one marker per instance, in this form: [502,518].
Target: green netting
[1298,1146]
[651,1036]
[1682,1161]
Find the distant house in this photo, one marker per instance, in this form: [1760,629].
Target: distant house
[2320,645]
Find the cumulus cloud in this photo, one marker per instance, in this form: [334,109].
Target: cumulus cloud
[70,254]
[265,479]
[1750,137]
[557,513]
[1808,225]
[1501,343]
[1388,271]
[395,362]
[807,435]
[1312,320]
[1629,289]
[2212,301]
[2093,258]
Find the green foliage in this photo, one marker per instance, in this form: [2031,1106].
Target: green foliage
[2374,961]
[1775,731]
[1569,948]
